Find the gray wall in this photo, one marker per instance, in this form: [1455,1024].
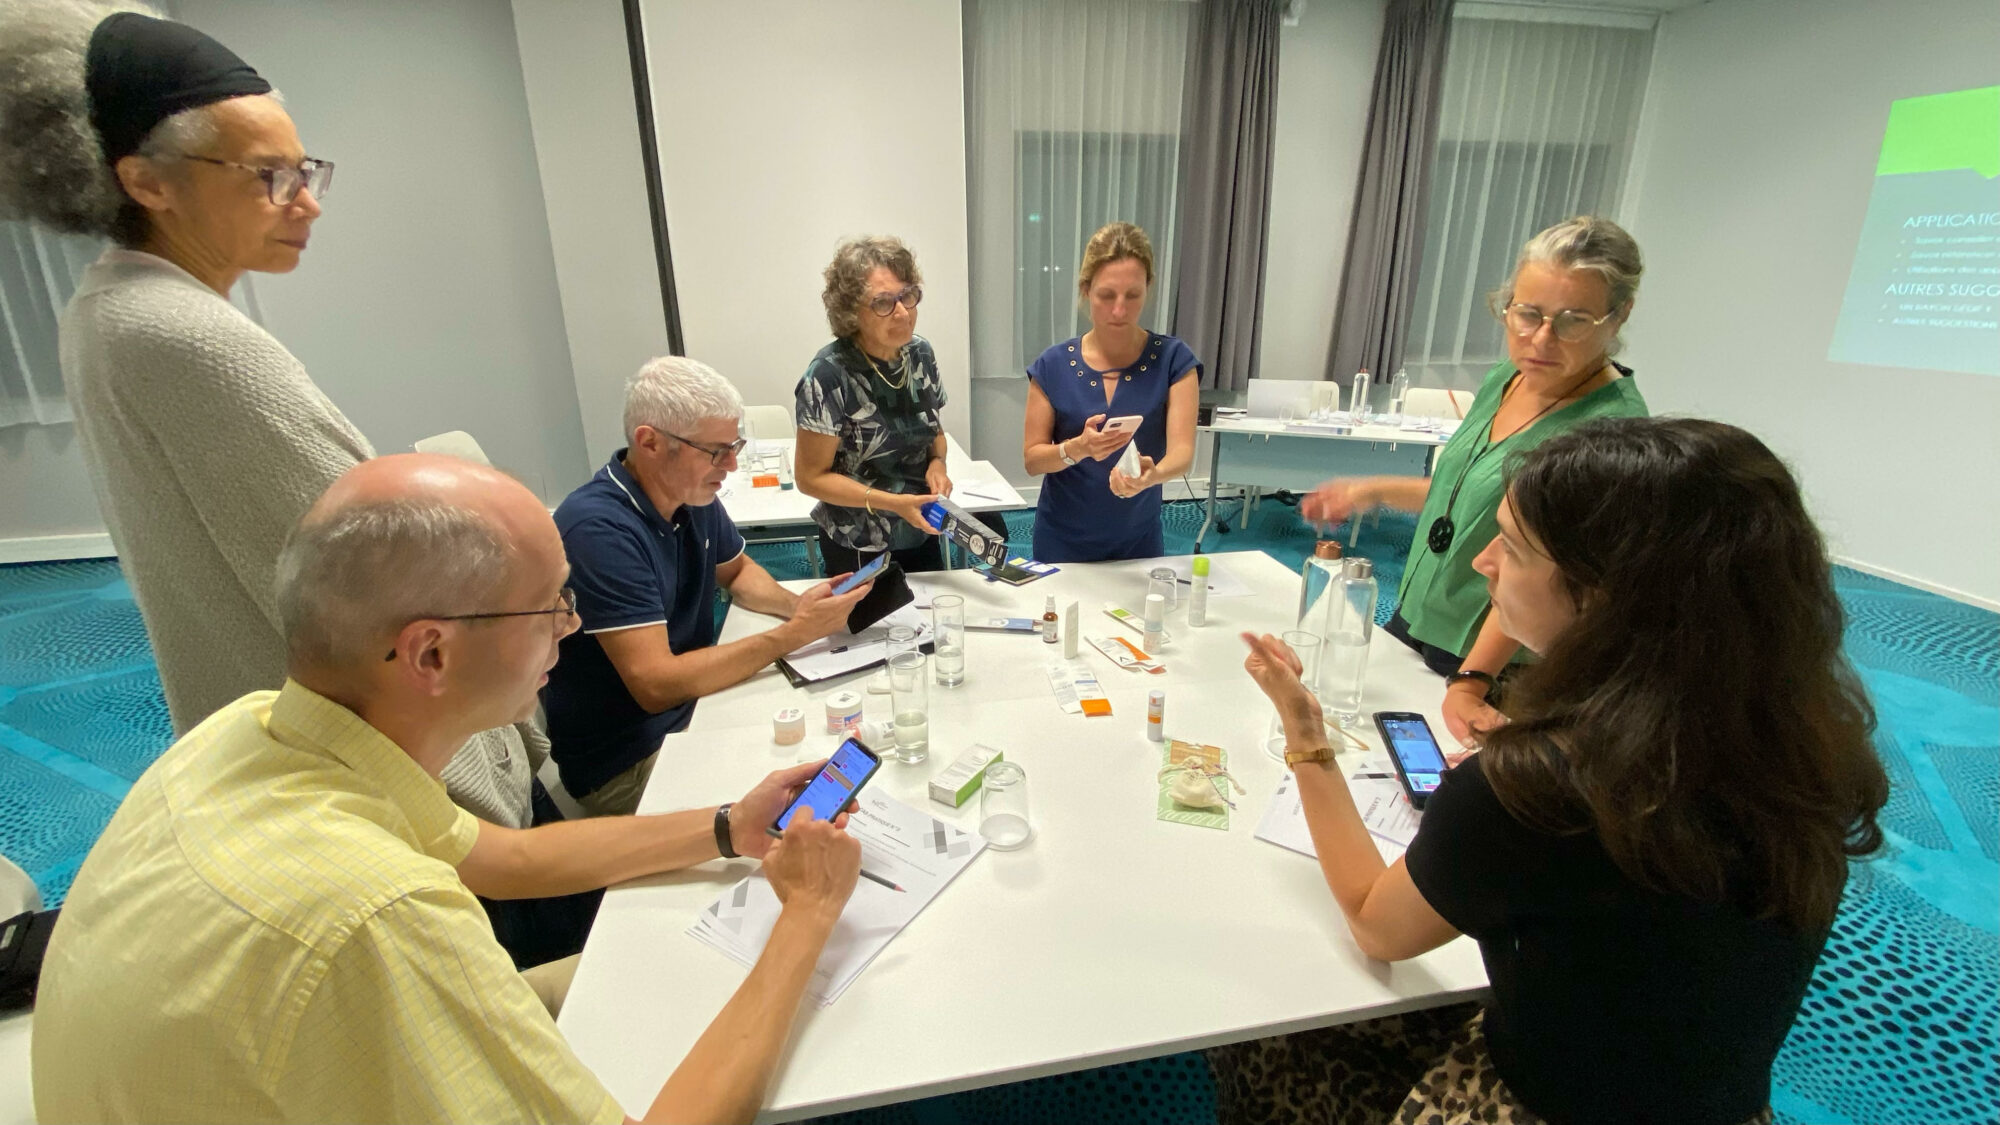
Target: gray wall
[1759,152]
[579,82]
[428,300]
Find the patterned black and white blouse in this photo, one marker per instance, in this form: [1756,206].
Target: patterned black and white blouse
[886,434]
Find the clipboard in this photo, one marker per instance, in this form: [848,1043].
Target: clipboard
[798,679]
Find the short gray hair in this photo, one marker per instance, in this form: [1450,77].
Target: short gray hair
[52,166]
[846,278]
[350,579]
[674,394]
[1585,242]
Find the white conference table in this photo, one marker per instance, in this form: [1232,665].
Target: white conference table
[1110,936]
[977,486]
[1268,453]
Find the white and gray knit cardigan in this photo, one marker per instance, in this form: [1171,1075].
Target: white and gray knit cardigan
[206,442]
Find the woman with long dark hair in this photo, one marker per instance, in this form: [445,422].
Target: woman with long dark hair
[1651,852]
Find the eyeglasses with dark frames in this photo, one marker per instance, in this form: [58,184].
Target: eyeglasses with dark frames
[566,597]
[283,184]
[717,454]
[882,304]
[1570,325]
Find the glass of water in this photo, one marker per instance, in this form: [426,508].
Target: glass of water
[902,638]
[1161,580]
[1310,649]
[910,705]
[948,638]
[1003,806]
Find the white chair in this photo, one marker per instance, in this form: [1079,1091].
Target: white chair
[1436,402]
[456,443]
[768,423]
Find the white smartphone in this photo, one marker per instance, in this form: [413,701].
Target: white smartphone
[1125,423]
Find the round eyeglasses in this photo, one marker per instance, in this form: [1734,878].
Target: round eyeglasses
[882,304]
[1571,325]
[283,184]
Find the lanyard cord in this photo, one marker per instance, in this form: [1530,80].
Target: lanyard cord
[1444,528]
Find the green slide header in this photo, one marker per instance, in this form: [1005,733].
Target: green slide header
[1943,133]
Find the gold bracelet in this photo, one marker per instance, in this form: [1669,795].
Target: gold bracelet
[866,503]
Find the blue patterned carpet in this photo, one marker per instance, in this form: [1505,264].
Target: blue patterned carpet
[1899,1026]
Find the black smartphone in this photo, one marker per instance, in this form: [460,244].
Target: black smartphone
[834,786]
[1420,764]
[868,570]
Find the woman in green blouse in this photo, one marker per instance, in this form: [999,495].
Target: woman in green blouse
[1571,292]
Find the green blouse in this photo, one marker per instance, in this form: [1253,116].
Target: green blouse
[1443,599]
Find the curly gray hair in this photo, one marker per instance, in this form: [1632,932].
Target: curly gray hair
[52,167]
[847,278]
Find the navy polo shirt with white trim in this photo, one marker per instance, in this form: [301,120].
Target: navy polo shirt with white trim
[630,569]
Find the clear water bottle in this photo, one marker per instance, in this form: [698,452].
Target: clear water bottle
[1344,673]
[1399,390]
[1318,576]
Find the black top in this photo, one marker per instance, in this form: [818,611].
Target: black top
[1610,1002]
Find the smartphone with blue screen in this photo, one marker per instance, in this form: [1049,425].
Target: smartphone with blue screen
[833,786]
[869,570]
[1420,764]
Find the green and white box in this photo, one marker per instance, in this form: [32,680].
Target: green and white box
[957,783]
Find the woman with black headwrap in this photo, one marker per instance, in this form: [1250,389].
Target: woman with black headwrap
[206,439]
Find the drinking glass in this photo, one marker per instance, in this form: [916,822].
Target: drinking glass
[1161,580]
[910,705]
[902,638]
[1309,648]
[948,637]
[1003,806]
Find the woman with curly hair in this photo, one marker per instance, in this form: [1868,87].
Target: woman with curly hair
[205,437]
[871,446]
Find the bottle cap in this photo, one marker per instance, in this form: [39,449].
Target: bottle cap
[1357,568]
[1326,549]
[1201,564]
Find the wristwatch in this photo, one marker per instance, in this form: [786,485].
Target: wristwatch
[1062,451]
[1484,679]
[1320,753]
[722,841]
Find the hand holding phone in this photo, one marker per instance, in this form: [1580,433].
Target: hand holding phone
[834,786]
[867,573]
[1420,765]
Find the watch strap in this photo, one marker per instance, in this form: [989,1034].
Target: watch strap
[1485,679]
[1320,753]
[722,841]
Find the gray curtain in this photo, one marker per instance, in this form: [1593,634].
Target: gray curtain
[1385,242]
[1229,101]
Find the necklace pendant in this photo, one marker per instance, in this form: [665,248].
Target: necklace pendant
[1442,532]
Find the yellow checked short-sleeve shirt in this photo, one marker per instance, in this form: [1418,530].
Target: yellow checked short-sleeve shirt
[272,928]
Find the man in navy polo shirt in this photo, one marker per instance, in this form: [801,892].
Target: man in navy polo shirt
[648,546]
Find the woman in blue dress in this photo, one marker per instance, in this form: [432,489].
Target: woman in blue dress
[1088,510]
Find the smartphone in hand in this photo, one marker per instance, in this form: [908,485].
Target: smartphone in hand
[834,786]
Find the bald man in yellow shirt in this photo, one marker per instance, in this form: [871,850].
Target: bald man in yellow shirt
[279,922]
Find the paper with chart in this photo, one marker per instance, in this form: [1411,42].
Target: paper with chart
[844,652]
[1377,795]
[904,845]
